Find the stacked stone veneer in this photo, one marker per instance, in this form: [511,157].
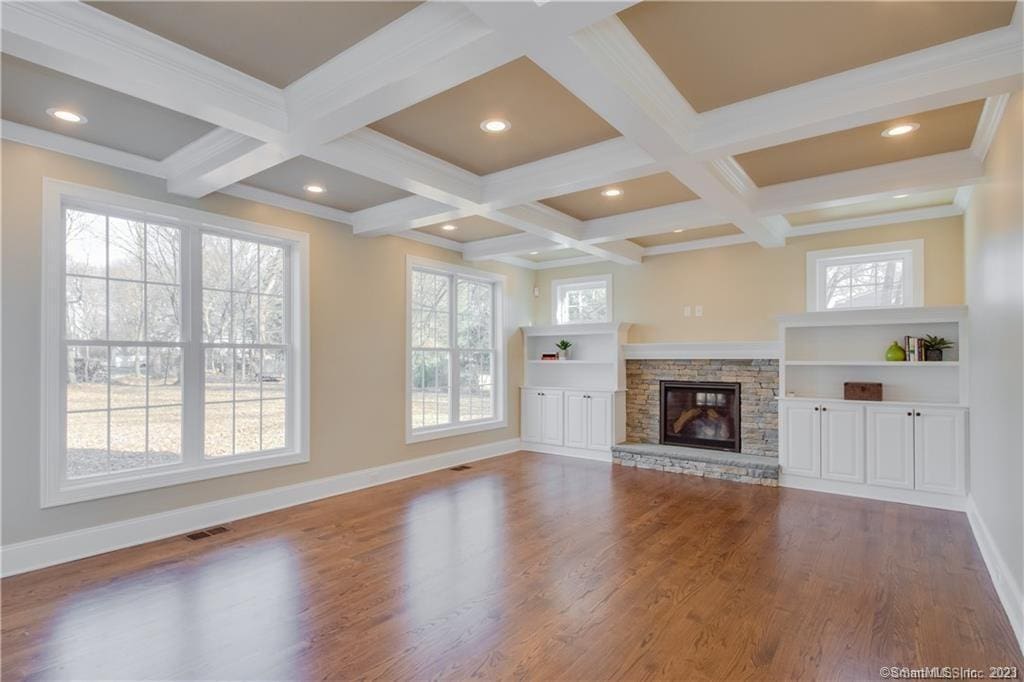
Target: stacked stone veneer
[759,386]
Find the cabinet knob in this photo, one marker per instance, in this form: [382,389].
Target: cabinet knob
[815,409]
[824,409]
[918,414]
[910,414]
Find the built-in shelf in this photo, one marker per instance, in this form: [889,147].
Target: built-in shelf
[890,403]
[571,362]
[596,356]
[870,363]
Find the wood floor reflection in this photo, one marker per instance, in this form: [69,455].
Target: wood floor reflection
[525,566]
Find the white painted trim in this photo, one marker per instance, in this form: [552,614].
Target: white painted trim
[704,350]
[288,203]
[433,240]
[913,269]
[894,218]
[62,144]
[1009,590]
[699,244]
[559,286]
[873,492]
[567,262]
[563,451]
[56,549]
[988,124]
[876,316]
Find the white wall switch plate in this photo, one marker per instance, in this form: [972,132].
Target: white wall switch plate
[686,311]
[699,311]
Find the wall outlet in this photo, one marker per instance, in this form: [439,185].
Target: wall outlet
[699,311]
[686,311]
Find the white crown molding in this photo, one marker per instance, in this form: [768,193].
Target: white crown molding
[567,262]
[648,221]
[962,198]
[970,68]
[433,240]
[708,350]
[90,44]
[286,202]
[509,245]
[988,124]
[699,244]
[517,261]
[893,218]
[732,172]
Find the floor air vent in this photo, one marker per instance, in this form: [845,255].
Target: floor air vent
[200,534]
[461,467]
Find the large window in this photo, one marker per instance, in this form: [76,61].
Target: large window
[582,300]
[174,345]
[455,362]
[874,276]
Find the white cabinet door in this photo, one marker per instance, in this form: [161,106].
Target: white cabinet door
[576,408]
[890,446]
[552,417]
[599,432]
[801,439]
[530,419]
[939,450]
[842,442]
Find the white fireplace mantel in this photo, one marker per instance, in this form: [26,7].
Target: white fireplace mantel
[704,350]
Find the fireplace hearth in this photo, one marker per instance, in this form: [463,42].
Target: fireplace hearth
[701,414]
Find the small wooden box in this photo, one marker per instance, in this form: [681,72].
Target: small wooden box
[856,390]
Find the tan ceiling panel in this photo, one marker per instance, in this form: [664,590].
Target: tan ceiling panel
[942,130]
[646,192]
[113,119]
[277,42]
[554,255]
[546,120]
[343,190]
[470,229]
[718,53]
[686,235]
[867,208]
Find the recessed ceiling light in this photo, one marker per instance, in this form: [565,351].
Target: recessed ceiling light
[449,228]
[315,189]
[900,196]
[495,125]
[901,129]
[611,192]
[534,253]
[678,231]
[65,115]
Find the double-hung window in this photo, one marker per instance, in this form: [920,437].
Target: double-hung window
[455,361]
[174,345]
[582,300]
[872,276]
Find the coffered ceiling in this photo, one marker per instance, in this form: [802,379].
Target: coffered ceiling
[381,104]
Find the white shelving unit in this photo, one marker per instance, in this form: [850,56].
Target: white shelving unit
[596,362]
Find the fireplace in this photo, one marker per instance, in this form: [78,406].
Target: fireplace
[701,414]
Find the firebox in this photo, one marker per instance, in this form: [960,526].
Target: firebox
[701,414]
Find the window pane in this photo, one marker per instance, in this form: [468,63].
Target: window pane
[87,378]
[273,424]
[216,316]
[85,246]
[247,426]
[163,309]
[247,374]
[86,301]
[272,377]
[126,321]
[164,370]
[86,443]
[164,436]
[220,374]
[431,309]
[127,440]
[127,377]
[244,265]
[219,429]
[476,386]
[163,254]
[245,318]
[584,303]
[127,245]
[430,395]
[216,261]
[271,319]
[271,269]
[475,314]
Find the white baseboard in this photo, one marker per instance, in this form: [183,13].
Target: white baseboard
[1007,587]
[874,492]
[579,453]
[56,549]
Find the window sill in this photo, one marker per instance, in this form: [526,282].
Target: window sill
[449,431]
[81,491]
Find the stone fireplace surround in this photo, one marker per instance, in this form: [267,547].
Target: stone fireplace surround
[759,419]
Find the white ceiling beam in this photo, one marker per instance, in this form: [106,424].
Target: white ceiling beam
[90,44]
[72,146]
[510,245]
[970,68]
[291,203]
[940,171]
[699,244]
[658,220]
[401,215]
[892,218]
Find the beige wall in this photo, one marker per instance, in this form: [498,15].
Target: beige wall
[357,322]
[742,288]
[993,235]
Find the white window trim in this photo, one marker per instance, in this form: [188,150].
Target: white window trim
[501,417]
[54,491]
[913,273]
[556,296]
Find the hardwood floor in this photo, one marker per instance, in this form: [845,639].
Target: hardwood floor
[528,566]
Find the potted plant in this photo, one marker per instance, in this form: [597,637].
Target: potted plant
[933,347]
[563,347]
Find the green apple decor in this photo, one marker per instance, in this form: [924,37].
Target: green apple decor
[895,353]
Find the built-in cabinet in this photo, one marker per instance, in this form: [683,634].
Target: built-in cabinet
[574,419]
